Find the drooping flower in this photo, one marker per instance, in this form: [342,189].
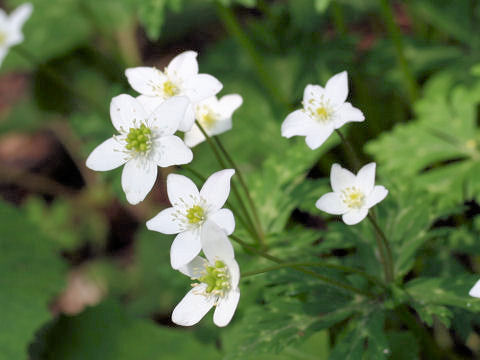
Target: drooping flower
[324,110]
[179,78]
[214,115]
[190,211]
[475,290]
[11,27]
[217,279]
[352,195]
[145,142]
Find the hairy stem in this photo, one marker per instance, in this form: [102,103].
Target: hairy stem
[382,241]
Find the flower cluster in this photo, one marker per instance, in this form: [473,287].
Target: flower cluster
[11,27]
[171,101]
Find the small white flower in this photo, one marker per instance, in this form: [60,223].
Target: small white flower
[145,142]
[190,211]
[214,115]
[179,78]
[217,281]
[11,27]
[475,290]
[324,110]
[352,195]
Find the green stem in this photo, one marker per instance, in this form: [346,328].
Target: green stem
[244,186]
[338,18]
[350,150]
[342,268]
[251,227]
[396,36]
[382,241]
[233,27]
[59,80]
[325,279]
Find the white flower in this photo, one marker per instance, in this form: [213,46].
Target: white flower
[180,77]
[352,195]
[190,211]
[145,142]
[475,290]
[324,110]
[11,27]
[215,116]
[217,281]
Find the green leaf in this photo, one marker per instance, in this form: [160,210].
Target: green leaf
[295,307]
[445,138]
[152,15]
[108,332]
[365,339]
[54,28]
[32,274]
[403,345]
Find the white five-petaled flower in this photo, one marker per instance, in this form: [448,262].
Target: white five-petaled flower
[11,27]
[475,290]
[216,283]
[352,195]
[145,142]
[190,211]
[214,115]
[324,110]
[180,78]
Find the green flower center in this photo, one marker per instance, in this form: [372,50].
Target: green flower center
[195,214]
[216,278]
[138,139]
[170,89]
[353,197]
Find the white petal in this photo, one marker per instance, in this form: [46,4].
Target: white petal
[184,248]
[181,189]
[229,103]
[347,113]
[194,269]
[297,123]
[194,136]
[312,92]
[126,112]
[215,243]
[193,307]
[365,179]
[107,156]
[183,66]
[354,216]
[149,103]
[332,204]
[234,271]
[171,150]
[188,120]
[138,178]
[341,178]
[319,135]
[18,17]
[167,116]
[336,88]
[165,222]
[145,80]
[226,308]
[378,194]
[202,86]
[224,218]
[475,290]
[216,188]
